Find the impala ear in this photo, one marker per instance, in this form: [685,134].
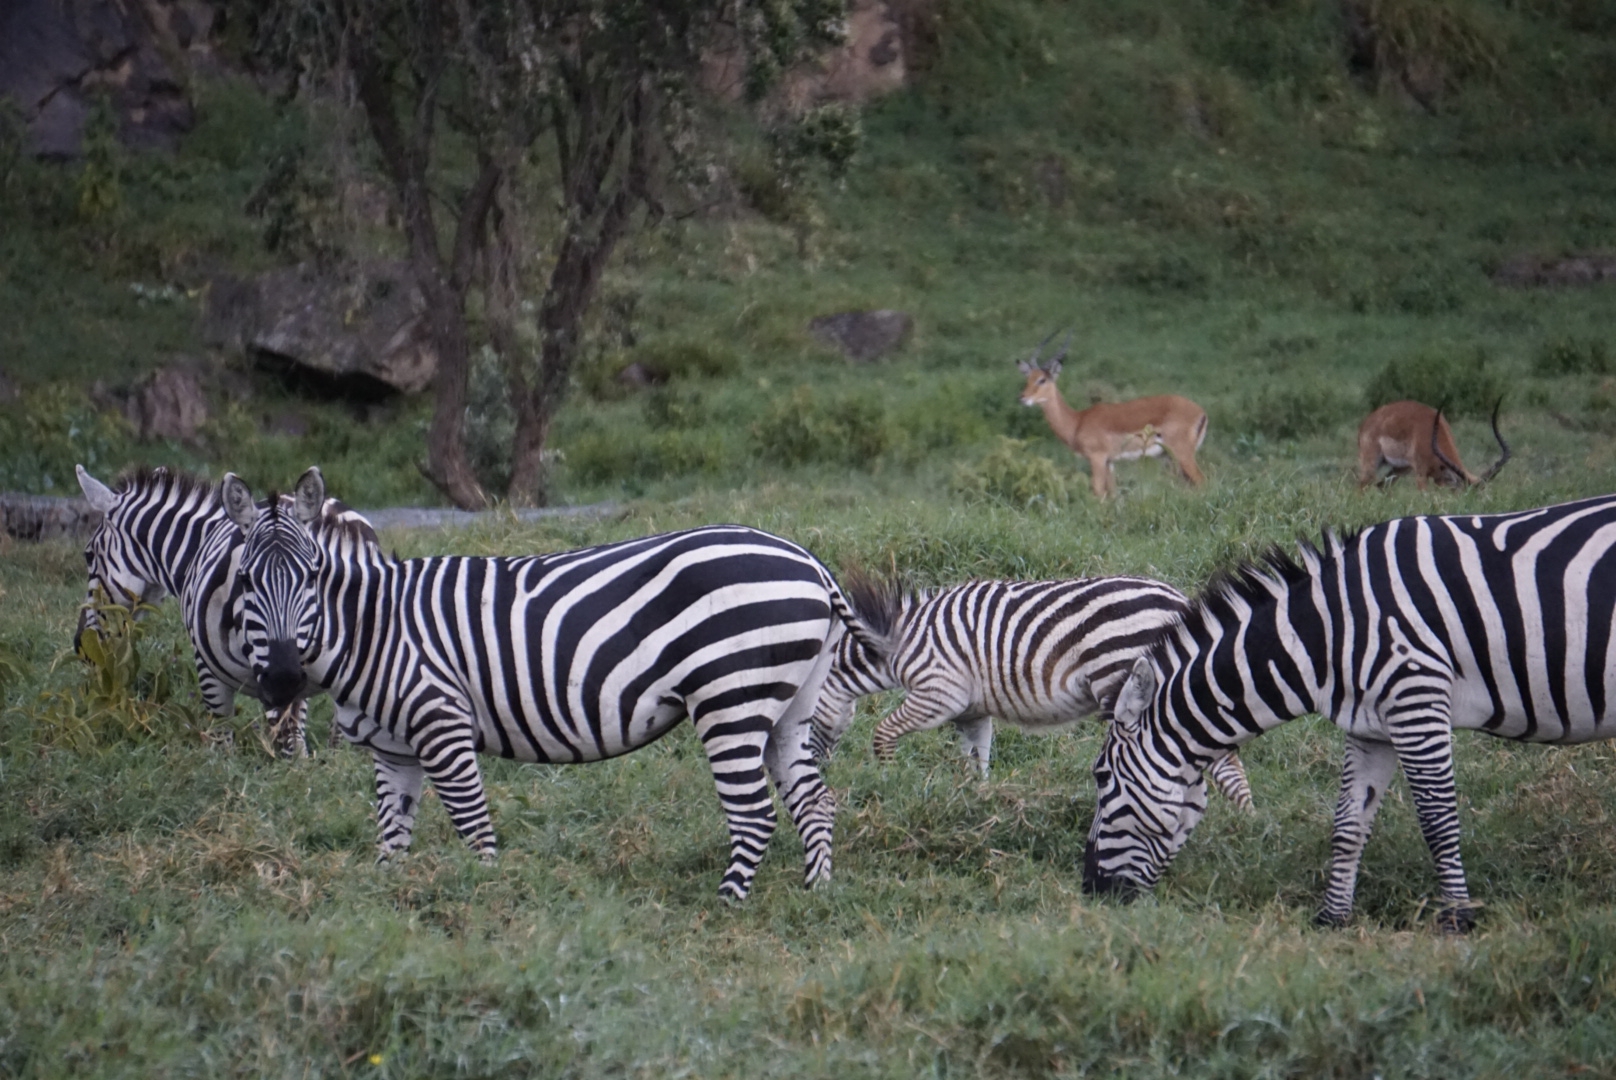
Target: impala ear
[1135,694]
[1053,367]
[238,501]
[1024,367]
[309,495]
[99,495]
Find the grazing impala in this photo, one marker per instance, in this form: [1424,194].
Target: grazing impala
[1413,437]
[1143,427]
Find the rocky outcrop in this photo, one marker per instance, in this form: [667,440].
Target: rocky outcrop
[45,517]
[58,57]
[864,336]
[870,62]
[170,403]
[359,333]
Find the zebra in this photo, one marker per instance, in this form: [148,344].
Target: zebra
[571,657]
[166,533]
[1399,633]
[1041,655]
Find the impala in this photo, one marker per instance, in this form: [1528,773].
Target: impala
[1396,435]
[1129,430]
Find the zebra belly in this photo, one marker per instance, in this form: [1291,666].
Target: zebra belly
[649,722]
[1062,710]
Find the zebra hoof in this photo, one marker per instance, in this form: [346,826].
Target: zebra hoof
[1459,919]
[1326,920]
[732,892]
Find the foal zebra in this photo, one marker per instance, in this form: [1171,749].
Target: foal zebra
[165,532]
[571,657]
[1041,655]
[1400,634]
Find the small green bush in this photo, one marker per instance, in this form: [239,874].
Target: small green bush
[803,428]
[1292,412]
[1012,475]
[1459,382]
[51,428]
[1573,356]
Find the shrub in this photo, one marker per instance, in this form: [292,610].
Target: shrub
[1291,412]
[1573,356]
[1460,383]
[1012,475]
[845,430]
[122,698]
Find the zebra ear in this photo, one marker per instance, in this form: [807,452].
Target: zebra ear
[1135,695]
[99,495]
[309,495]
[238,501]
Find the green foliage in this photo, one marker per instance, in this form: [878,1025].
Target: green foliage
[1573,356]
[1013,475]
[1459,381]
[100,186]
[121,698]
[1281,411]
[51,428]
[842,429]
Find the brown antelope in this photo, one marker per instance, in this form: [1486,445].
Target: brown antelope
[1396,435]
[1126,431]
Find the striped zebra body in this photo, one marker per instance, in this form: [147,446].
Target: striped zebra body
[166,533]
[1401,633]
[565,658]
[1040,655]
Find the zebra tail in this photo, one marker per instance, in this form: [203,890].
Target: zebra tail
[870,606]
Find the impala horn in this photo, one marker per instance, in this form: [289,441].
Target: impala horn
[1027,365]
[1436,451]
[1504,457]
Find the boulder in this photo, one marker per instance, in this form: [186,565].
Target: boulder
[57,57]
[864,336]
[168,404]
[869,63]
[45,517]
[358,333]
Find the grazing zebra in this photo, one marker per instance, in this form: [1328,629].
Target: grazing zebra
[165,532]
[571,657]
[1041,655]
[1400,634]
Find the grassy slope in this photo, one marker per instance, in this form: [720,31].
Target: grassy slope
[165,906]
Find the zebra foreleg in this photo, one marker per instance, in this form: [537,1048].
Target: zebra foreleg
[450,759]
[1228,775]
[976,737]
[1425,750]
[288,729]
[398,796]
[1365,771]
[831,721]
[735,748]
[808,800]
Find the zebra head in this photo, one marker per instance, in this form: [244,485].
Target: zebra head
[279,561]
[1147,798]
[118,573]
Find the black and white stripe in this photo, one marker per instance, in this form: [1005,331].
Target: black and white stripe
[1400,634]
[166,533]
[1040,655]
[571,657]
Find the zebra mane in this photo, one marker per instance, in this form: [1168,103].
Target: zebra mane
[1250,583]
[141,478]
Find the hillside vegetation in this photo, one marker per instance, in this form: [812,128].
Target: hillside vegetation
[1261,205]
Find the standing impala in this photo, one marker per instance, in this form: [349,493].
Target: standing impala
[1129,430]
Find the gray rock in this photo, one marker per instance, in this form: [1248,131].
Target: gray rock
[1533,271]
[169,404]
[863,336]
[58,56]
[45,517]
[363,326]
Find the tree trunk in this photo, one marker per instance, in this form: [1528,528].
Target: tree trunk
[447,466]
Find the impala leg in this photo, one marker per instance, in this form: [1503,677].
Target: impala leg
[1366,769]
[1184,458]
[1099,475]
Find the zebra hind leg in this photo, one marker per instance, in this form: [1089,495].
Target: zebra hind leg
[1228,775]
[809,801]
[920,711]
[976,738]
[398,796]
[735,748]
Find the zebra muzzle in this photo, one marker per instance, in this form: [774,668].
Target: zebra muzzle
[1097,882]
[281,679]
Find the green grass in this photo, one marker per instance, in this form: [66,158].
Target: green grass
[1218,208]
